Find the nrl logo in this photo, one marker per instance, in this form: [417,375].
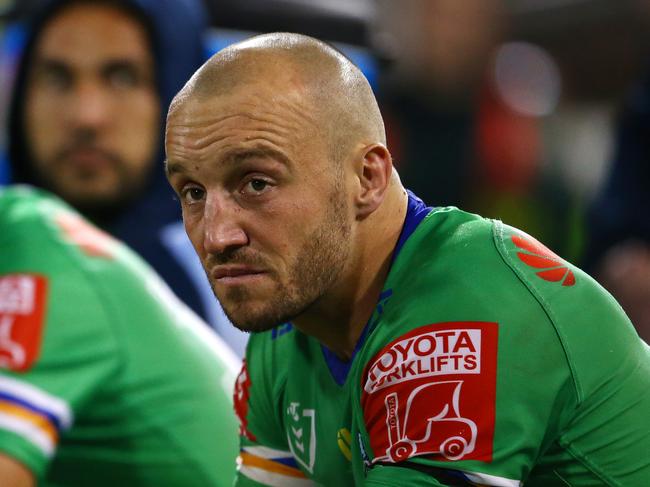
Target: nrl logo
[301,435]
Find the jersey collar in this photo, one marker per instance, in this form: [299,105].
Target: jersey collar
[415,213]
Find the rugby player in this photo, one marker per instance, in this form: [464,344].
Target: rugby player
[393,343]
[106,378]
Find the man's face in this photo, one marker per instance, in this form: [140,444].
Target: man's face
[263,203]
[92,113]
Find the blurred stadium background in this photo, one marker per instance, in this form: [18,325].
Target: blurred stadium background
[506,108]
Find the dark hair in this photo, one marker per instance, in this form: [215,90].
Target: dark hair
[19,151]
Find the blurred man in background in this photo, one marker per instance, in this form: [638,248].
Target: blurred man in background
[106,379]
[85,122]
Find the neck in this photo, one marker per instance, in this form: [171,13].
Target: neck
[338,319]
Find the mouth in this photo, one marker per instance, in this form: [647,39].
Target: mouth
[236,274]
[89,159]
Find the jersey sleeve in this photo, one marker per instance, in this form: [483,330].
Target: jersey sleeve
[57,347]
[56,350]
[265,458]
[525,375]
[608,432]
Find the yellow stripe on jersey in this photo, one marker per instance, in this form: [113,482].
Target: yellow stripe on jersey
[24,414]
[250,460]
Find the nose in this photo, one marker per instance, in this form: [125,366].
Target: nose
[90,105]
[222,226]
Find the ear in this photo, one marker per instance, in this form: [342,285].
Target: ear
[374,173]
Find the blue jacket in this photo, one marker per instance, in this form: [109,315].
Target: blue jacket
[151,225]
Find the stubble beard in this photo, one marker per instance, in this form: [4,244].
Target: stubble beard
[318,265]
[88,190]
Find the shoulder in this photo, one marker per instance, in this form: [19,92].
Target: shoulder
[82,261]
[475,310]
[449,269]
[86,279]
[597,336]
[462,267]
[47,233]
[49,258]
[27,215]
[447,238]
[450,225]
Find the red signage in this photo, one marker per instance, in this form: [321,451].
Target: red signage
[22,316]
[432,393]
[241,396]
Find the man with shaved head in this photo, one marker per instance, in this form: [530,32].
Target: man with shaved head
[392,343]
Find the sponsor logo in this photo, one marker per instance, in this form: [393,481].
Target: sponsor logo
[438,352]
[240,397]
[301,434]
[446,432]
[536,255]
[22,315]
[432,392]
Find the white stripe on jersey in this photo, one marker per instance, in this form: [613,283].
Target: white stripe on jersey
[29,431]
[266,452]
[273,479]
[485,479]
[30,394]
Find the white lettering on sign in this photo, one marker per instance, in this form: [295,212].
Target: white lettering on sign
[432,353]
[17,294]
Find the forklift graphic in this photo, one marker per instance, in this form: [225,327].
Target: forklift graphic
[446,432]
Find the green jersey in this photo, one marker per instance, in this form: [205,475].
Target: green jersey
[488,361]
[106,379]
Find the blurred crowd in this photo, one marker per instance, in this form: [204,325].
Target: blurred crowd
[534,112]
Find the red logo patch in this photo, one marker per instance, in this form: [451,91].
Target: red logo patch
[539,257]
[432,392]
[88,238]
[241,396]
[22,314]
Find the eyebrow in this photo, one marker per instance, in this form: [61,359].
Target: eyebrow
[234,157]
[238,156]
[172,168]
[55,60]
[42,63]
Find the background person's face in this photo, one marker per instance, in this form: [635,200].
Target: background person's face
[92,114]
[262,203]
